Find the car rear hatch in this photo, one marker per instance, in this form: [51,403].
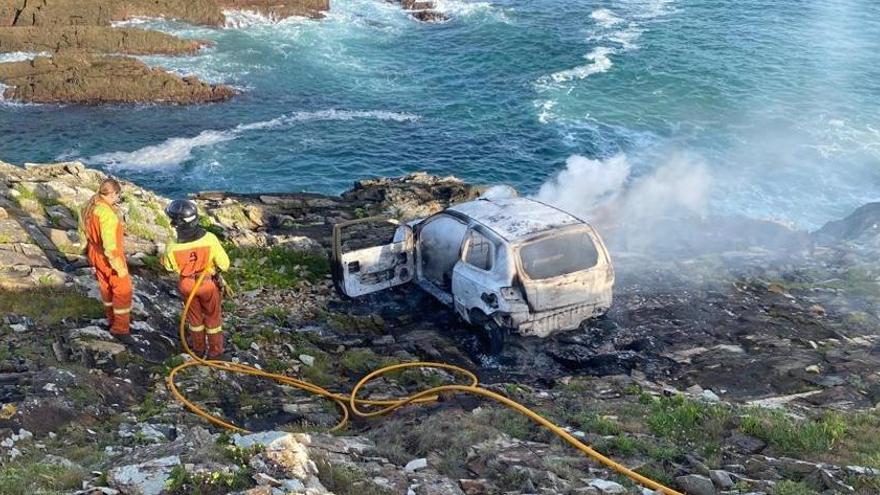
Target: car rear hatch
[564,268]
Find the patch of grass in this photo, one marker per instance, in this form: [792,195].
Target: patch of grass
[786,487]
[168,365]
[22,477]
[681,418]
[359,362]
[151,406]
[276,314]
[50,305]
[219,482]
[346,323]
[791,436]
[277,267]
[83,396]
[601,425]
[320,372]
[347,480]
[206,223]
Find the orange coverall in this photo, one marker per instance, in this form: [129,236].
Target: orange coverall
[104,235]
[190,260]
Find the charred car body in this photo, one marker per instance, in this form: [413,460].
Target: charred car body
[512,264]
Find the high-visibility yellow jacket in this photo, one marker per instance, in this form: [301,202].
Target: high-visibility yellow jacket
[192,258]
[104,233]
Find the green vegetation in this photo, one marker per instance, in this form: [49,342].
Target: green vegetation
[358,362]
[50,305]
[786,487]
[347,480]
[22,477]
[277,267]
[220,482]
[790,436]
[151,406]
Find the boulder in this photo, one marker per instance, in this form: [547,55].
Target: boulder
[695,484]
[147,478]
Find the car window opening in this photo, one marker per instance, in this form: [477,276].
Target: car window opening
[479,251]
[559,255]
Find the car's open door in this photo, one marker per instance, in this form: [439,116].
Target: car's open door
[370,255]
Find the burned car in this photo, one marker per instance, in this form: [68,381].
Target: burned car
[511,264]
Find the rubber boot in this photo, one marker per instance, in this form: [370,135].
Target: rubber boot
[199,342]
[216,343]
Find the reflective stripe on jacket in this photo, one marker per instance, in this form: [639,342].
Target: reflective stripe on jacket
[104,233]
[192,258]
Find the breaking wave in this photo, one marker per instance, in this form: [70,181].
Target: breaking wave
[612,34]
[605,17]
[240,19]
[176,151]
[599,62]
[465,9]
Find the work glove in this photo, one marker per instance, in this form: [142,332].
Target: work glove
[225,289]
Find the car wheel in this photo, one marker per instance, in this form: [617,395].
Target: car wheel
[492,337]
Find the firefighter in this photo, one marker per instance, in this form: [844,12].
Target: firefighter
[195,252]
[103,231]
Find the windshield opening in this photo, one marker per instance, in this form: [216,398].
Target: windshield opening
[559,255]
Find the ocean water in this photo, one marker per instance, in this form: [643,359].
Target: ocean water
[768,108]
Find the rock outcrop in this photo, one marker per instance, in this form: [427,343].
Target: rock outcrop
[423,10]
[87,79]
[103,12]
[279,9]
[85,26]
[95,39]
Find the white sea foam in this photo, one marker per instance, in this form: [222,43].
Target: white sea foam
[599,62]
[615,33]
[134,22]
[175,151]
[21,56]
[464,8]
[605,17]
[241,19]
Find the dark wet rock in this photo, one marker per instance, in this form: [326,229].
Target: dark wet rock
[862,224]
[721,479]
[746,444]
[87,79]
[695,484]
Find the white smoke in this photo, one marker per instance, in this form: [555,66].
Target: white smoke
[628,207]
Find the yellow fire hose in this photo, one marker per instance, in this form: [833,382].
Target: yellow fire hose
[348,404]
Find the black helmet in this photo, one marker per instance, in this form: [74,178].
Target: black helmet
[182,213]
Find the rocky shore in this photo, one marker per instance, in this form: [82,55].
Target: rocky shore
[86,48]
[739,369]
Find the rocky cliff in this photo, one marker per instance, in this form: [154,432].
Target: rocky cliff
[730,372]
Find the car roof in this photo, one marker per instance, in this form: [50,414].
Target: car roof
[515,219]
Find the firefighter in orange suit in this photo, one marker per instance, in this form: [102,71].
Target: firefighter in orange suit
[103,231]
[196,252]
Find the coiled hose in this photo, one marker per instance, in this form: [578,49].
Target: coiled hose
[350,404]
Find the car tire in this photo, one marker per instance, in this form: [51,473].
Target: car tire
[492,337]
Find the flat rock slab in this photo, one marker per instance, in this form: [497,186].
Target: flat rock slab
[87,79]
[147,478]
